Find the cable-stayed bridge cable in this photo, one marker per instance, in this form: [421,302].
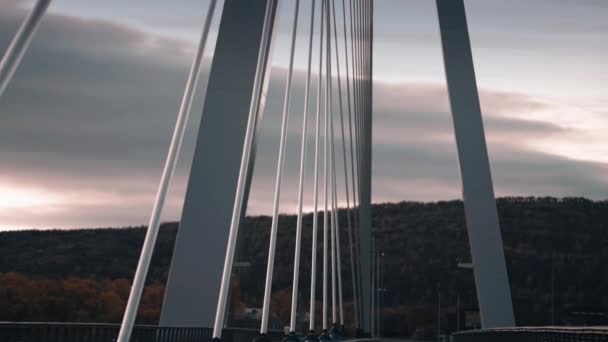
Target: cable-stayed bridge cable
[325,175]
[347,185]
[298,242]
[168,171]
[313,272]
[336,236]
[277,189]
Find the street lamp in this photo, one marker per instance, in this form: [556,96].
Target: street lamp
[381,290]
[465,265]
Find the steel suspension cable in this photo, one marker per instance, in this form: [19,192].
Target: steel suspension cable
[370,55]
[280,167]
[363,63]
[362,52]
[168,171]
[315,218]
[331,171]
[364,122]
[21,41]
[356,139]
[340,288]
[356,81]
[349,98]
[366,116]
[353,255]
[298,242]
[363,78]
[357,85]
[334,294]
[334,288]
[367,57]
[325,167]
[337,247]
[348,212]
[371,87]
[336,230]
[361,82]
[259,83]
[355,61]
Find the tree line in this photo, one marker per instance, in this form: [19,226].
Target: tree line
[555,251]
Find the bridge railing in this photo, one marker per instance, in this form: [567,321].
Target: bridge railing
[98,332]
[535,334]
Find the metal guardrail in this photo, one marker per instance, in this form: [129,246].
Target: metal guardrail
[95,332]
[535,334]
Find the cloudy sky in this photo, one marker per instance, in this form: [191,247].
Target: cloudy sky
[86,123]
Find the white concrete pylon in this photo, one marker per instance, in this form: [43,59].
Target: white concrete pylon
[491,278]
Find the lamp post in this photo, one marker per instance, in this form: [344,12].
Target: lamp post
[381,291]
[438,311]
[458,311]
[465,265]
[553,288]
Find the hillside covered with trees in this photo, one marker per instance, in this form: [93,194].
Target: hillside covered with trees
[556,253]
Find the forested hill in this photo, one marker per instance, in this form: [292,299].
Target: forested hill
[559,243]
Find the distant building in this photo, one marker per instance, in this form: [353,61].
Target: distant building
[471,320]
[585,318]
[252,313]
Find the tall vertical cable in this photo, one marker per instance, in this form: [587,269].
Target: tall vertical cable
[355,143]
[298,242]
[346,187]
[336,231]
[277,189]
[168,171]
[315,218]
[325,176]
[331,169]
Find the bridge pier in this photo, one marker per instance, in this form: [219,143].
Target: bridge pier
[196,269]
[491,278]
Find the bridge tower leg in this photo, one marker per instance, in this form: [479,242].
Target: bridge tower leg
[491,278]
[196,269]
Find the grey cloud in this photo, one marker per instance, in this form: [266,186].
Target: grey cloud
[540,34]
[426,109]
[91,110]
